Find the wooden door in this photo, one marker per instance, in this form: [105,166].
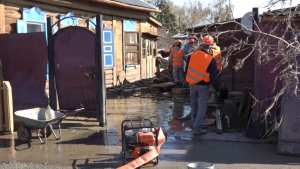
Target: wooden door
[149,58]
[143,60]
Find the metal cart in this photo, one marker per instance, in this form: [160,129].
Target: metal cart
[35,119]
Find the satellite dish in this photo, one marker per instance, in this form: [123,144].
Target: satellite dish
[247,22]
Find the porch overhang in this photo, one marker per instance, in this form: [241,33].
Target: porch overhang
[152,34]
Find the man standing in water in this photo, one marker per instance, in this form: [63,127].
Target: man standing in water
[176,59]
[201,71]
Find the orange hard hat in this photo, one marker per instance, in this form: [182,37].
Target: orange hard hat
[191,40]
[208,40]
[180,42]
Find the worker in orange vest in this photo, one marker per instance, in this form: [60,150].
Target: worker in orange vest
[217,56]
[201,72]
[176,60]
[171,49]
[188,49]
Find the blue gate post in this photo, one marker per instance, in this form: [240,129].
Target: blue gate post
[100,95]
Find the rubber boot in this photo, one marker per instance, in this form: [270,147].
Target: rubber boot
[213,98]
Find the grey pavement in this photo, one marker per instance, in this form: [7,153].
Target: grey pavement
[85,145]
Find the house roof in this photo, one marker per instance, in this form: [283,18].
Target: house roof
[203,23]
[210,23]
[136,3]
[179,36]
[131,4]
[283,12]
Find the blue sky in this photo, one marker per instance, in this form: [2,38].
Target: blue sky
[241,7]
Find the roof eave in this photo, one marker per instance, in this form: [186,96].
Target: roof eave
[156,22]
[123,5]
[218,23]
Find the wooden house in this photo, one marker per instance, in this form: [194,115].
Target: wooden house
[133,29]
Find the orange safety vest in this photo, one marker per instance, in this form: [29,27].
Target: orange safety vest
[171,49]
[178,57]
[198,65]
[217,56]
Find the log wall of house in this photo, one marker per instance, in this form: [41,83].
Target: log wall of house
[12,12]
[118,28]
[147,27]
[149,32]
[131,74]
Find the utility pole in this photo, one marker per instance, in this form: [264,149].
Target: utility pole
[179,24]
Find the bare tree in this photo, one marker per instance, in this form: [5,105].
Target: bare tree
[221,10]
[270,45]
[195,12]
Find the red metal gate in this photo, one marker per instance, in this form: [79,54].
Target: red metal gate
[74,53]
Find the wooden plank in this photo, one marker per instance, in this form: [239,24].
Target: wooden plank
[52,15]
[9,21]
[12,28]
[123,45]
[109,85]
[132,75]
[163,86]
[109,77]
[109,81]
[12,14]
[8,107]
[108,71]
[114,24]
[2,18]
[141,49]
[132,71]
[12,8]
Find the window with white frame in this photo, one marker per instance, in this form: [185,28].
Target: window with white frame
[35,27]
[149,47]
[33,20]
[131,43]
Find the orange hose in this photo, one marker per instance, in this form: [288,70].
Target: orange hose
[148,156]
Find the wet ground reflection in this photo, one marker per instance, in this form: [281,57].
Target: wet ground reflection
[163,112]
[88,147]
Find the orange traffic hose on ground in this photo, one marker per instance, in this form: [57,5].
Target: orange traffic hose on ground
[148,156]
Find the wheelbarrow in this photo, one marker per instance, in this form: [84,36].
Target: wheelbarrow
[35,120]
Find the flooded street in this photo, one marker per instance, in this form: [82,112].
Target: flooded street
[85,145]
[161,112]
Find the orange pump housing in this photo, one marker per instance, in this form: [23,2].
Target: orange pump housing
[147,138]
[137,150]
[144,138]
